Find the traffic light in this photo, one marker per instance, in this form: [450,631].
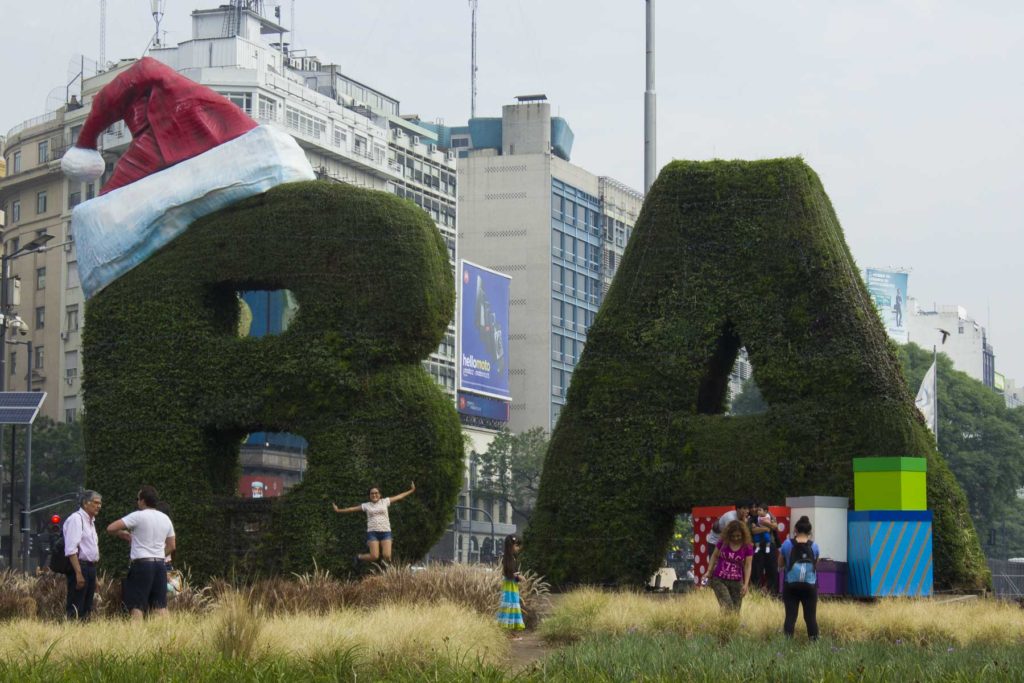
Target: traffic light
[55,524]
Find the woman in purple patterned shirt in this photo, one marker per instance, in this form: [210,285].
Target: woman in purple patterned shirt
[730,566]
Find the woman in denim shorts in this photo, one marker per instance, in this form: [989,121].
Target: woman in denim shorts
[378,525]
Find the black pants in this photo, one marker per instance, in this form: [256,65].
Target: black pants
[79,603]
[765,567]
[794,596]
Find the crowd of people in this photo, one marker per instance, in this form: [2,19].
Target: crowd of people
[747,552]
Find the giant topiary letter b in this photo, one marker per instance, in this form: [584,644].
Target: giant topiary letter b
[171,389]
[724,255]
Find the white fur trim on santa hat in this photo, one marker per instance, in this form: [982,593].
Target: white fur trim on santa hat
[119,230]
[82,164]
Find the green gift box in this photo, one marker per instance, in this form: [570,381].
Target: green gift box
[890,484]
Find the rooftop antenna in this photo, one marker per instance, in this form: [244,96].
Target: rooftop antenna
[292,27]
[103,34]
[472,61]
[157,10]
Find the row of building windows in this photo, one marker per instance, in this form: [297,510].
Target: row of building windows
[42,156]
[565,280]
[42,202]
[441,211]
[572,317]
[566,349]
[575,250]
[425,172]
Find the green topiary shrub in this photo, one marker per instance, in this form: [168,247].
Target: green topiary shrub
[171,390]
[724,255]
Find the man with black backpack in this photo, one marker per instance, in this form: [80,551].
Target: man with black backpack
[799,559]
[82,550]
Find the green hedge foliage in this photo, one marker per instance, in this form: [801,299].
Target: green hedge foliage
[172,390]
[724,255]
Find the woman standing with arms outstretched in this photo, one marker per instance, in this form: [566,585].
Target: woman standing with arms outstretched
[378,524]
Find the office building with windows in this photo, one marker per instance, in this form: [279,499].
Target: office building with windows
[557,229]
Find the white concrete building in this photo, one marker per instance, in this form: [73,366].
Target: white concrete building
[966,342]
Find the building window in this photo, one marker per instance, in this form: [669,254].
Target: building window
[41,202]
[40,317]
[304,123]
[44,151]
[73,280]
[69,414]
[71,318]
[41,278]
[16,163]
[15,211]
[90,191]
[74,199]
[40,358]
[242,100]
[268,109]
[13,363]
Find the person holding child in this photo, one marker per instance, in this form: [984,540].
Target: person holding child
[510,611]
[730,566]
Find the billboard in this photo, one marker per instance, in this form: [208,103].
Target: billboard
[888,289]
[483,407]
[483,331]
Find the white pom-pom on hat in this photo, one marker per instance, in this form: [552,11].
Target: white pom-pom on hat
[82,164]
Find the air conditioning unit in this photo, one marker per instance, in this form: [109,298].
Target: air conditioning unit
[431,148]
[64,336]
[396,133]
[70,380]
[450,154]
[415,139]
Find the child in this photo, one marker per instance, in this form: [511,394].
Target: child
[510,612]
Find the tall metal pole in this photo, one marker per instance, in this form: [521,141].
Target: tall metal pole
[4,311]
[650,107]
[27,503]
[10,563]
[472,60]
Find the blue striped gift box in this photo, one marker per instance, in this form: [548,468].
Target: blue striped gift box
[890,553]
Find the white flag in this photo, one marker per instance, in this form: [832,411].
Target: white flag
[926,397]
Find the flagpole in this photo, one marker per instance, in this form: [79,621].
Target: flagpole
[935,392]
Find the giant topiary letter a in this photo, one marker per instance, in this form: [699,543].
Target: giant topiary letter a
[724,255]
[171,389]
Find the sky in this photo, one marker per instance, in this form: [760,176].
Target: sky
[910,111]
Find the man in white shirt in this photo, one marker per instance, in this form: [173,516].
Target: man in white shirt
[81,547]
[152,537]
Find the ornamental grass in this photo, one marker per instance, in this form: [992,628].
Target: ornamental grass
[590,612]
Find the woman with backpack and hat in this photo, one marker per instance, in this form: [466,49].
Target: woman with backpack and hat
[798,559]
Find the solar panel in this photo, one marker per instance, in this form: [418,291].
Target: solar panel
[20,407]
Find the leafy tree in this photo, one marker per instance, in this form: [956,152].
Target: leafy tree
[510,469]
[983,442]
[58,458]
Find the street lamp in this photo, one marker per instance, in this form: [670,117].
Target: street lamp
[37,244]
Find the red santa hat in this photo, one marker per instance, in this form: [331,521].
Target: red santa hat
[192,152]
[170,117]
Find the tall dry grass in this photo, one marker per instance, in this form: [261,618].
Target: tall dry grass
[971,622]
[235,629]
